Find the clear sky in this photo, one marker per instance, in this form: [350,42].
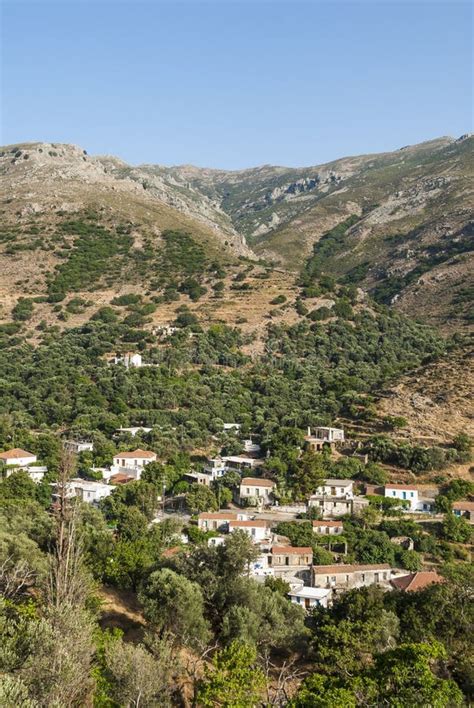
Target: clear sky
[235,84]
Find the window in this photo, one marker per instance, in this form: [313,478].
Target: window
[394,494]
[412,495]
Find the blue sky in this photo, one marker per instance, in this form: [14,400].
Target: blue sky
[235,84]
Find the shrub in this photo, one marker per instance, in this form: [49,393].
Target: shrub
[279,300]
[23,309]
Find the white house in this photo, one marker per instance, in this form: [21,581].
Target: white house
[129,359]
[333,507]
[215,467]
[329,528]
[320,436]
[36,472]
[78,446]
[217,520]
[134,430]
[310,598]
[343,488]
[231,426]
[257,529]
[90,491]
[17,458]
[250,446]
[132,463]
[241,462]
[256,488]
[404,492]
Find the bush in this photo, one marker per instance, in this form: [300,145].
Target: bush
[279,300]
[23,309]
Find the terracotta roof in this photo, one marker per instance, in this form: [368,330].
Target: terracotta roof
[463,505]
[333,524]
[168,552]
[292,550]
[343,568]
[120,478]
[217,515]
[16,453]
[417,581]
[135,454]
[258,524]
[410,487]
[257,482]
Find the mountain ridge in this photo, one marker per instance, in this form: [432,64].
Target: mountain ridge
[408,216]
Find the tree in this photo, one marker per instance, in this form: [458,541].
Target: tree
[131,523]
[258,615]
[233,680]
[371,546]
[235,555]
[456,528]
[135,676]
[18,486]
[406,676]
[319,691]
[309,474]
[174,604]
[201,498]
[411,560]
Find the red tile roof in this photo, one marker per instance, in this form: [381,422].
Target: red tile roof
[257,482]
[258,524]
[120,478]
[16,453]
[218,515]
[332,524]
[344,568]
[463,505]
[169,552]
[417,581]
[135,454]
[292,550]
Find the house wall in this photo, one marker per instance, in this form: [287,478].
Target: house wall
[286,559]
[352,580]
[403,494]
[20,461]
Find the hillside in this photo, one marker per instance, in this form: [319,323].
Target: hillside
[411,237]
[398,225]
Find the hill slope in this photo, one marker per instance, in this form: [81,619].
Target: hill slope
[411,239]
[396,224]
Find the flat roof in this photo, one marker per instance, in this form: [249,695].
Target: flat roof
[337,483]
[410,487]
[306,591]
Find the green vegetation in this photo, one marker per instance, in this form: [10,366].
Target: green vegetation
[96,252]
[327,247]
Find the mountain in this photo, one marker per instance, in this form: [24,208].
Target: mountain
[410,236]
[398,225]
